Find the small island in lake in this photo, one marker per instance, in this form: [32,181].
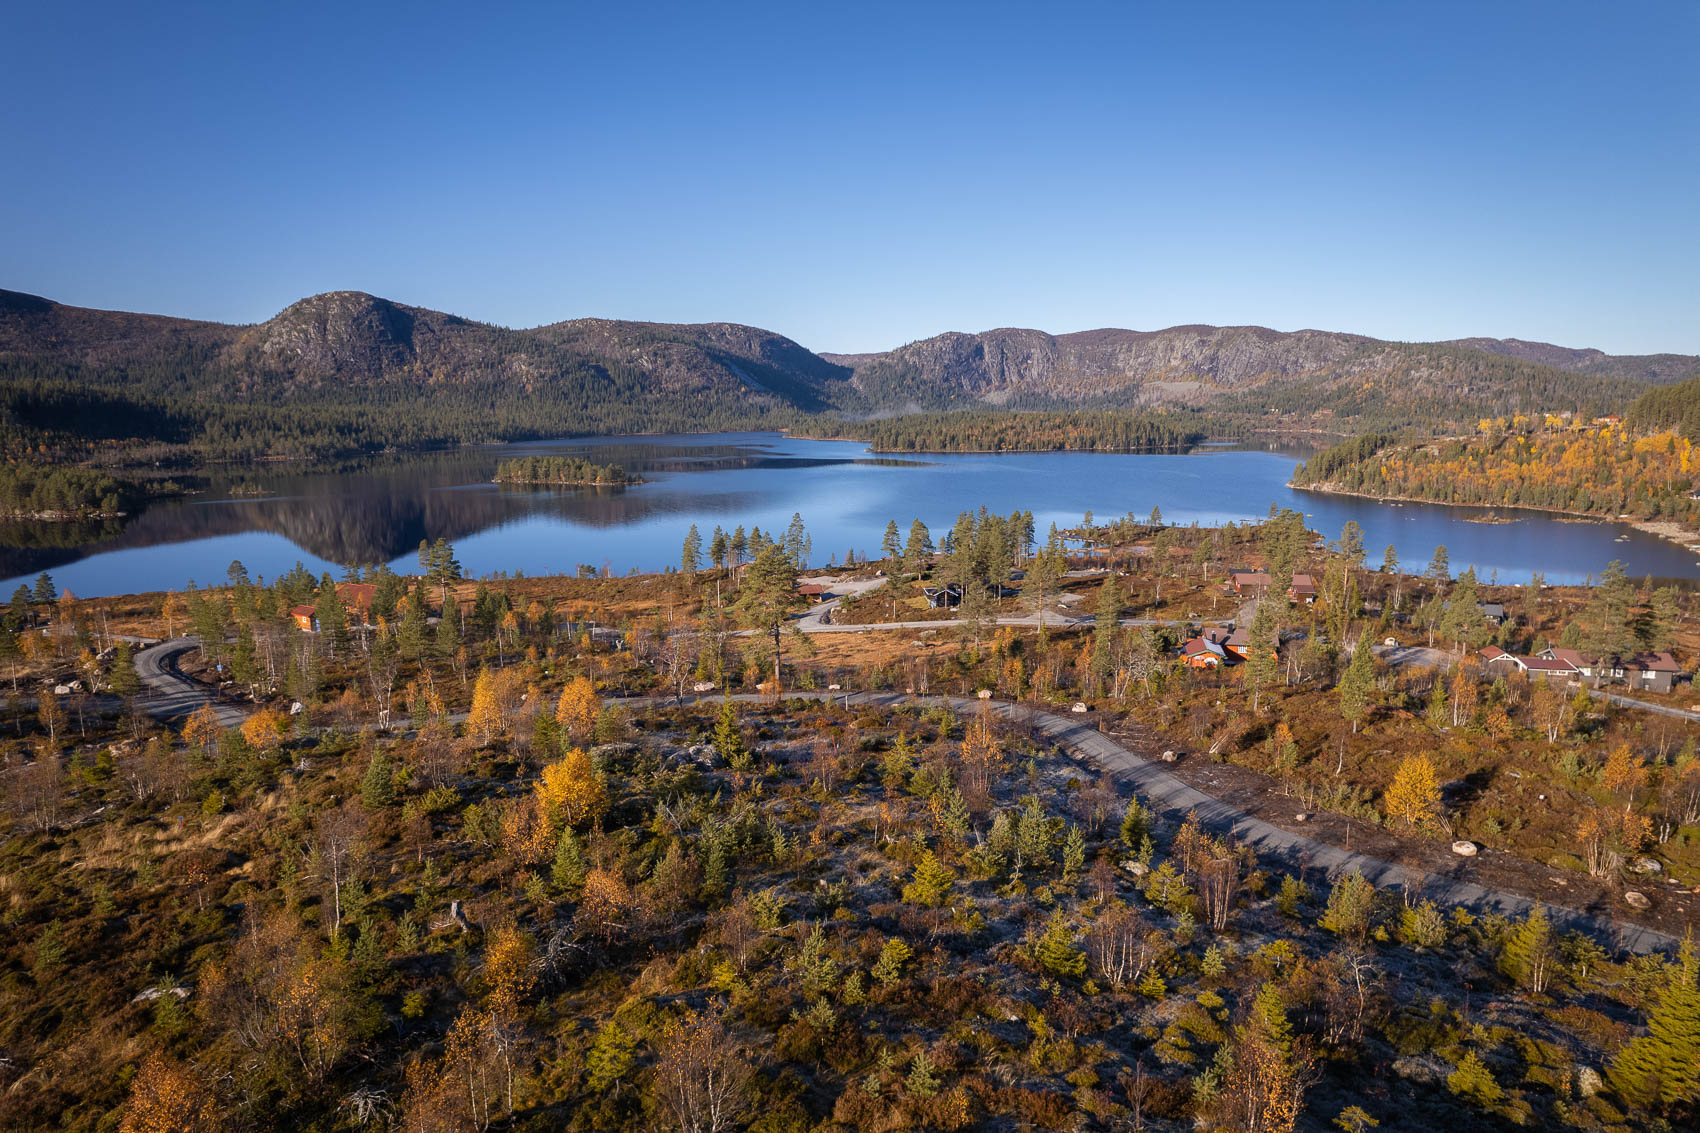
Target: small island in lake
[563,470]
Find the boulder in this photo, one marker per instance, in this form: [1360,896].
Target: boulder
[1647,865]
[1635,899]
[1171,756]
[1078,707]
[703,686]
[1136,867]
[1588,1081]
[1464,849]
[1301,817]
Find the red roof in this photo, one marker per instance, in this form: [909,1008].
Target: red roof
[1492,653]
[303,612]
[1660,662]
[1303,584]
[357,594]
[1543,665]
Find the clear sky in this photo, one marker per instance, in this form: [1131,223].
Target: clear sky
[858,175]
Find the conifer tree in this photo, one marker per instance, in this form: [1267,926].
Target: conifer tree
[1530,955]
[377,789]
[931,883]
[690,556]
[728,740]
[1661,1069]
[1357,684]
[1055,949]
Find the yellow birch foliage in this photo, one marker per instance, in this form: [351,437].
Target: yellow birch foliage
[166,1098]
[262,730]
[1414,796]
[579,706]
[571,791]
[203,729]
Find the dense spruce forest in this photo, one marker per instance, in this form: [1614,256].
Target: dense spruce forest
[1675,407]
[569,470]
[32,491]
[983,431]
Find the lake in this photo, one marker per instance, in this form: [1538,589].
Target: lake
[379,511]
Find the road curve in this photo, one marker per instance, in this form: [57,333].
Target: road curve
[1169,796]
[169,694]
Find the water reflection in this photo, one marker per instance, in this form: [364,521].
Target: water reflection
[379,511]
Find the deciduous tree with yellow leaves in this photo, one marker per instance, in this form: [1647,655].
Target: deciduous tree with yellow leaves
[571,791]
[578,708]
[1414,795]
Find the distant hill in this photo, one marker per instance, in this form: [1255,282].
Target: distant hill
[346,372]
[1655,369]
[1250,369]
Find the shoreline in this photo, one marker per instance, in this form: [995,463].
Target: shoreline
[1666,529]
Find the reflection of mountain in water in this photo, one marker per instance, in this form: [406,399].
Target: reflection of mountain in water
[378,512]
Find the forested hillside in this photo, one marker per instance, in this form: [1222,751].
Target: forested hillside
[1607,470]
[971,431]
[346,372]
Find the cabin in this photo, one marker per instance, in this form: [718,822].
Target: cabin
[1253,582]
[1492,611]
[1203,653]
[1238,642]
[1496,660]
[1598,669]
[816,590]
[1654,672]
[1303,589]
[1546,668]
[305,618]
[357,599]
[943,597]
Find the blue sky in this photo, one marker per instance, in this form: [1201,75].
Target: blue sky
[858,176]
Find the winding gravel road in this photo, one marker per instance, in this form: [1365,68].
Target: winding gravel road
[171,695]
[1171,798]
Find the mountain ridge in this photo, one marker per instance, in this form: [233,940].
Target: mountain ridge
[376,372]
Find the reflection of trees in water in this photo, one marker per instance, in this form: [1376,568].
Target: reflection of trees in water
[360,519]
[372,511]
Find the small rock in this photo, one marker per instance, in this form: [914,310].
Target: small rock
[703,686]
[1588,1081]
[834,688]
[1170,757]
[1078,707]
[1301,817]
[1136,867]
[296,708]
[1647,865]
[1635,899]
[1464,849]
[61,690]
[984,694]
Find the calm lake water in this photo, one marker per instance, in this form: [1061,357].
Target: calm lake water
[380,512]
